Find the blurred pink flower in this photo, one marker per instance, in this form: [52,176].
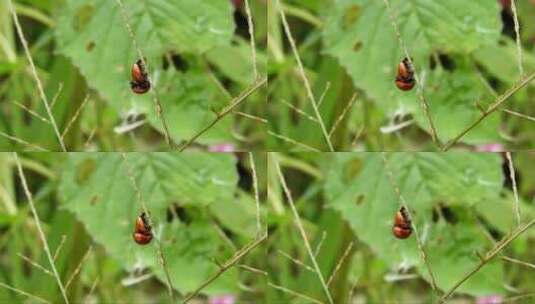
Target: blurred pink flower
[237,3]
[223,299]
[222,148]
[494,299]
[490,148]
[505,3]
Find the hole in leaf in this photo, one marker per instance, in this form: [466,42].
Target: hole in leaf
[359,200]
[357,46]
[94,200]
[90,46]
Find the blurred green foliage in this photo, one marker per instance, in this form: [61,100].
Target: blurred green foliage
[464,53]
[198,57]
[460,203]
[201,206]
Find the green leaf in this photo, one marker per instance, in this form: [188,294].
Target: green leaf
[190,100]
[360,34]
[497,59]
[359,188]
[97,189]
[453,98]
[238,63]
[93,34]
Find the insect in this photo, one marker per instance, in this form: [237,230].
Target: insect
[402,228]
[405,78]
[142,231]
[140,83]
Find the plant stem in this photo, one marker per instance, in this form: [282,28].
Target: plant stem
[303,76]
[487,258]
[224,267]
[39,228]
[301,229]
[493,107]
[219,115]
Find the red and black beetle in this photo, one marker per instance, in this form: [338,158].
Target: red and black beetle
[405,77]
[402,227]
[140,83]
[143,230]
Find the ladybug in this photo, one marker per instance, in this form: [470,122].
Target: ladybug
[143,230]
[405,78]
[402,228]
[140,87]
[140,83]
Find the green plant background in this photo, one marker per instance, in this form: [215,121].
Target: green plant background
[458,202]
[202,210]
[198,57]
[464,53]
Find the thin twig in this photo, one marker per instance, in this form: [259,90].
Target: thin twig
[159,111]
[318,247]
[39,228]
[251,37]
[293,141]
[141,200]
[518,44]
[78,268]
[221,233]
[90,137]
[357,136]
[516,207]
[35,76]
[56,97]
[515,261]
[493,107]
[299,111]
[351,292]
[31,112]
[35,264]
[253,117]
[75,116]
[296,261]
[131,176]
[228,264]
[256,194]
[303,75]
[420,86]
[219,115]
[324,93]
[344,113]
[403,204]
[519,297]
[21,141]
[93,286]
[253,270]
[487,258]
[163,262]
[294,293]
[339,264]
[56,254]
[156,97]
[518,114]
[301,229]
[24,293]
